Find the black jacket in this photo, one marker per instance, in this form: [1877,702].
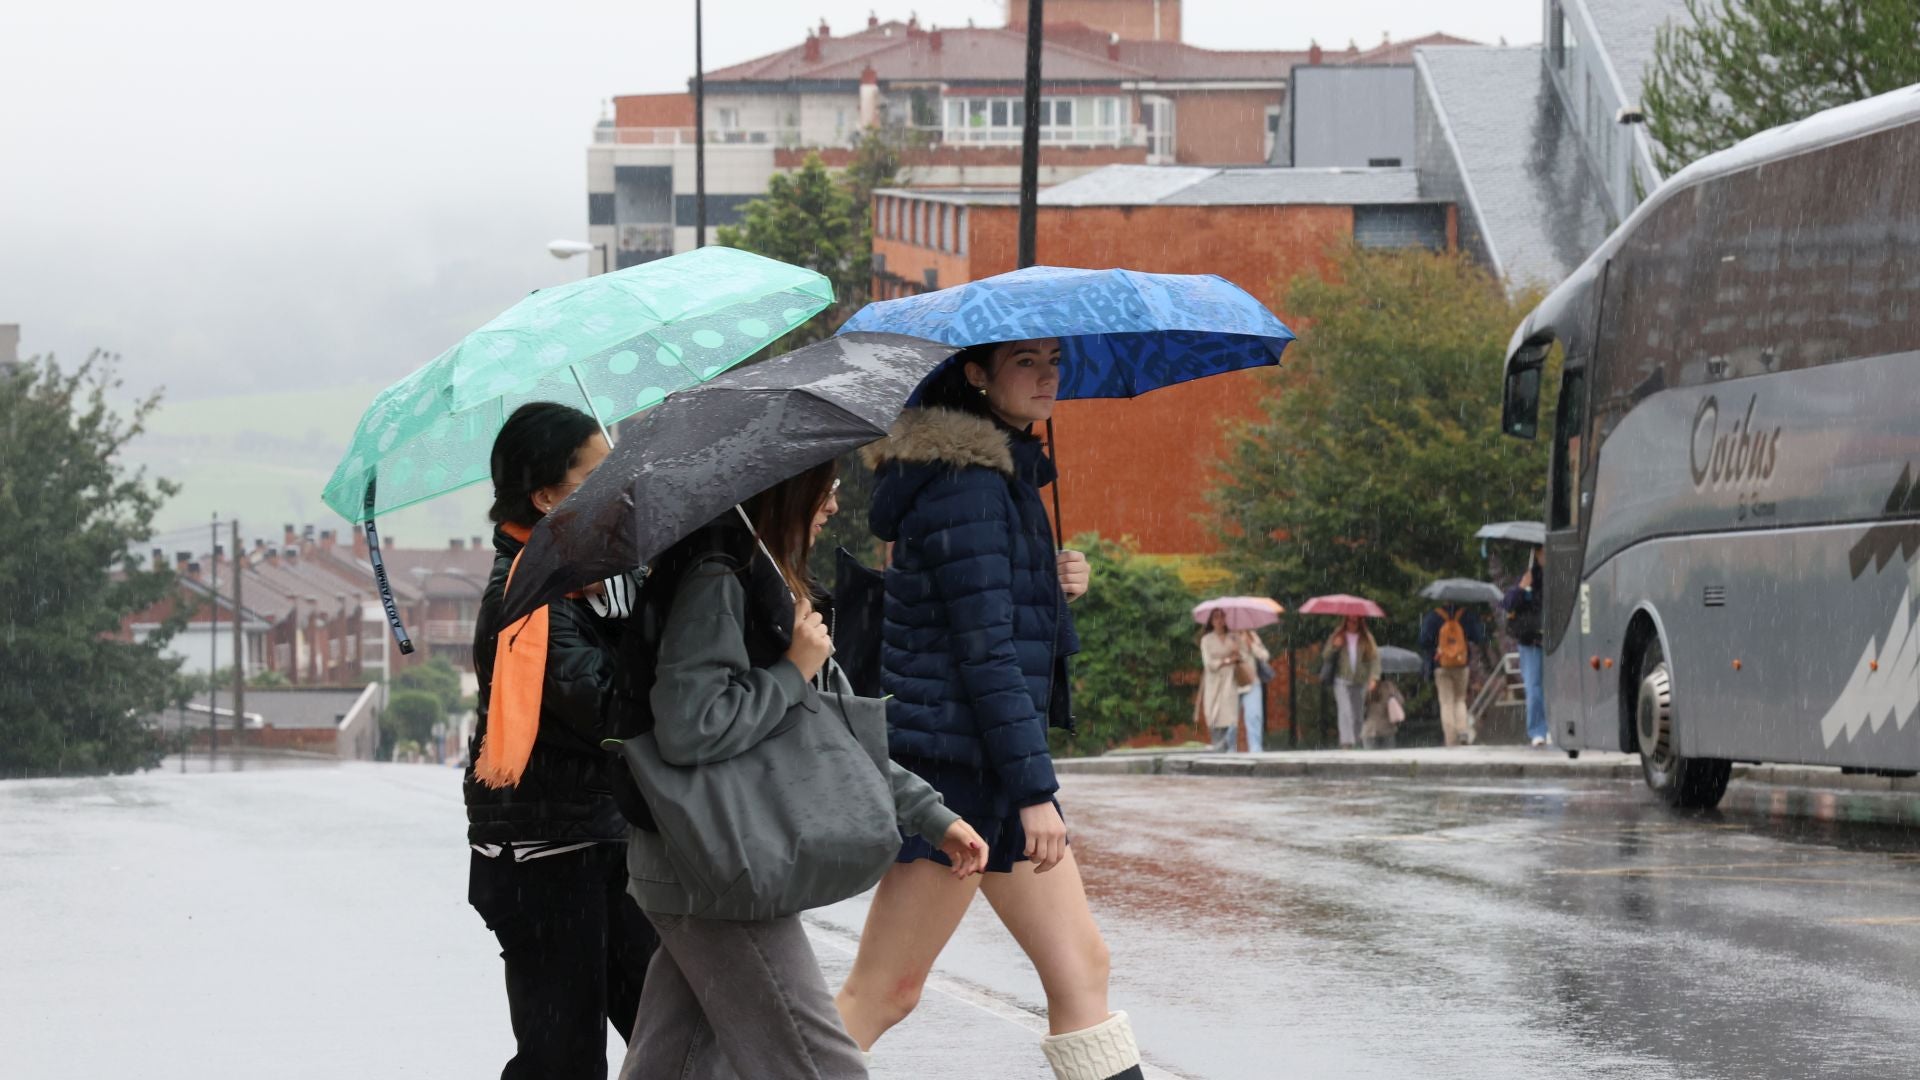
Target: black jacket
[564,794]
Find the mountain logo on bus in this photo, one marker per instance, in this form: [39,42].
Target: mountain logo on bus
[1740,455]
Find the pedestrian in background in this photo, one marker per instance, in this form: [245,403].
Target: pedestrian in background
[548,867]
[1386,711]
[1522,605]
[1354,660]
[1221,651]
[975,652]
[1253,698]
[1447,637]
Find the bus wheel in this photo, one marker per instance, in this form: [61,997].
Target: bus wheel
[1694,783]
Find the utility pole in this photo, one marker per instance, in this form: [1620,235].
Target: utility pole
[239,646]
[213,642]
[699,133]
[1030,195]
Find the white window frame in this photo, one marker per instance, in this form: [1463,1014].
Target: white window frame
[1091,120]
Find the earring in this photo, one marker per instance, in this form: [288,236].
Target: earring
[981,390]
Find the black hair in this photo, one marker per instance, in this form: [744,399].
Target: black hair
[949,388]
[538,446]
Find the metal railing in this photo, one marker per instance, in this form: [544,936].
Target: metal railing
[449,632]
[785,138]
[1111,135]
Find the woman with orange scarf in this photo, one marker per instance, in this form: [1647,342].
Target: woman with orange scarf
[548,870]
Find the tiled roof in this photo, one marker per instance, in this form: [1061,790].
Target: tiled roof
[1401,52]
[967,54]
[1178,61]
[1524,179]
[1163,185]
[1626,29]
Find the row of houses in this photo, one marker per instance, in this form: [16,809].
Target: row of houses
[309,611]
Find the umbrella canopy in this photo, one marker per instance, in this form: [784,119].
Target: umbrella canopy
[1342,604]
[1524,532]
[1243,612]
[611,345]
[711,447]
[1395,660]
[1463,591]
[1122,332]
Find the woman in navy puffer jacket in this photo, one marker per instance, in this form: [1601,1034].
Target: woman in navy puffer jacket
[975,645]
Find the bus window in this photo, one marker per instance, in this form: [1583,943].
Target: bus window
[1568,423]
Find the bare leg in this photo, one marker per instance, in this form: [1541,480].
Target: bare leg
[1048,915]
[914,914]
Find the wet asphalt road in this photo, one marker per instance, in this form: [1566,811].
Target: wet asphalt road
[1303,928]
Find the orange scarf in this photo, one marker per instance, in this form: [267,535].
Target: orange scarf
[519,674]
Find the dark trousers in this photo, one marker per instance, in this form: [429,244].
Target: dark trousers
[577,949]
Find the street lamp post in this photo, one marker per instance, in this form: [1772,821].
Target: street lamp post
[567,249]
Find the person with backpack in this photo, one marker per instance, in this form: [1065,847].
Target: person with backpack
[1447,637]
[735,661]
[1522,605]
[548,869]
[975,645]
[1352,660]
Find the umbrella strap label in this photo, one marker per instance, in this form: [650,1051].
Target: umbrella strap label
[380,578]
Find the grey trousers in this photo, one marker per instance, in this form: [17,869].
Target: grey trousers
[737,1001]
[1222,737]
[1350,702]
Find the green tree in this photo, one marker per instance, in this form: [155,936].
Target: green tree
[810,218]
[436,677]
[1380,451]
[1136,632]
[1743,66]
[73,696]
[411,715]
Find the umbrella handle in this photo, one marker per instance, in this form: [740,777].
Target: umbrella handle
[1059,528]
[380,577]
[574,370]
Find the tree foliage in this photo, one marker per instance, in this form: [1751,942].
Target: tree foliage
[1380,452]
[73,698]
[1743,66]
[436,677]
[411,715]
[1136,631]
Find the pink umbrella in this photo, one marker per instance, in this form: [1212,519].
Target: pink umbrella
[1243,612]
[1343,604]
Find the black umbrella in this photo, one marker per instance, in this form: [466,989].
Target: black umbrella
[1462,591]
[1395,660]
[708,448]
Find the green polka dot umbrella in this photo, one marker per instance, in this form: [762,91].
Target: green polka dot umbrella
[611,345]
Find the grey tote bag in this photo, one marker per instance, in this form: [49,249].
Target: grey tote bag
[802,820]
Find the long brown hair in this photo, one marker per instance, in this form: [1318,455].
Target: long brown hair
[783,516]
[1368,649]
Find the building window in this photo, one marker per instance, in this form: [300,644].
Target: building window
[1088,121]
[727,119]
[960,241]
[1273,132]
[1383,163]
[946,228]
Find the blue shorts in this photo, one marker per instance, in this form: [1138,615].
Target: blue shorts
[975,795]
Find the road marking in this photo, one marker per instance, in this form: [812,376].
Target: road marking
[966,993]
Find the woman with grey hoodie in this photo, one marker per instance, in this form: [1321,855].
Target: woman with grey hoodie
[741,647]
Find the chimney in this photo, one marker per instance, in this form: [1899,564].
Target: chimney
[359,543]
[825,30]
[326,540]
[456,544]
[873,21]
[181,559]
[307,534]
[869,98]
[812,52]
[475,544]
[934,38]
[193,570]
[1314,53]
[273,556]
[1113,45]
[913,23]
[291,554]
[159,559]
[292,537]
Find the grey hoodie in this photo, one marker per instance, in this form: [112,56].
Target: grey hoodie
[710,703]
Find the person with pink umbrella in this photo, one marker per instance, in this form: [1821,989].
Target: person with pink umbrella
[1231,658]
[1352,656]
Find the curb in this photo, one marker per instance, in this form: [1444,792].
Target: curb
[1554,767]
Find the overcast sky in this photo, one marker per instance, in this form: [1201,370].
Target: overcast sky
[244,196]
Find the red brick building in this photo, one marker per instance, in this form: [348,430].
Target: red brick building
[1141,467]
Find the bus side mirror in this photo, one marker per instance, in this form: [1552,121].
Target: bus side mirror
[1520,404]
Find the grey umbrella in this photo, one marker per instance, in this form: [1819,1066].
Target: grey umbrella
[1523,532]
[706,449]
[1395,660]
[1462,591]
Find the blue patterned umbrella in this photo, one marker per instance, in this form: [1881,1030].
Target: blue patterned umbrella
[1122,332]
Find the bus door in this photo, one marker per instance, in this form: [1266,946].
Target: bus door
[1567,604]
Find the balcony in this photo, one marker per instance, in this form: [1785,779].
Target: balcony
[449,632]
[983,135]
[784,138]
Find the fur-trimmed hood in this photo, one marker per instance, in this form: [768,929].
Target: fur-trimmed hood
[929,444]
[942,436]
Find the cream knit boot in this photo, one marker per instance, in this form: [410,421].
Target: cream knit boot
[1105,1051]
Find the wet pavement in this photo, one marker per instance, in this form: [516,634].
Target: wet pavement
[1313,928]
[312,923]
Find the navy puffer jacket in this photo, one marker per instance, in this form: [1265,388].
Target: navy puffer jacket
[976,631]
